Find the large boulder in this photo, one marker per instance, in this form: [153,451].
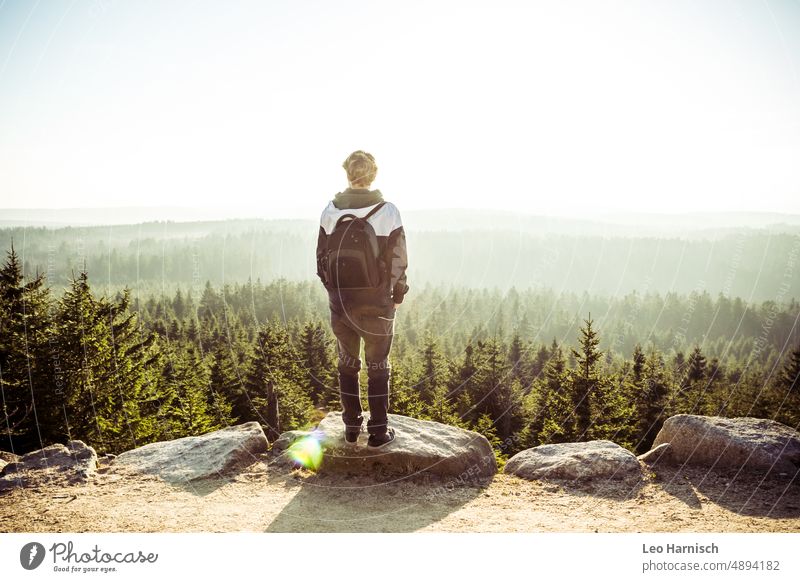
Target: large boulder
[420,447]
[575,462]
[53,465]
[755,444]
[189,459]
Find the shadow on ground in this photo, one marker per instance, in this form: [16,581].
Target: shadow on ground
[610,489]
[199,487]
[362,504]
[744,493]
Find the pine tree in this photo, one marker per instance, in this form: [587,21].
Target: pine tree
[193,332]
[612,414]
[517,359]
[555,420]
[187,380]
[274,388]
[485,426]
[786,405]
[434,370]
[404,398]
[223,384]
[638,363]
[463,378]
[651,407]
[17,405]
[789,378]
[321,383]
[715,401]
[585,378]
[508,402]
[179,305]
[131,376]
[210,305]
[691,396]
[491,374]
[257,400]
[540,362]
[29,380]
[84,350]
[109,367]
[697,366]
[433,384]
[679,364]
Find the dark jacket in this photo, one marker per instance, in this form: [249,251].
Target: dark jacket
[391,241]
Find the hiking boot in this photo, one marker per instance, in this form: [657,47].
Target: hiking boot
[377,441]
[351,436]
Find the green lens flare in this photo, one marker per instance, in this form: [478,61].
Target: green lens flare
[306,452]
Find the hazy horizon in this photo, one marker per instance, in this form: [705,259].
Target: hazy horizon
[131,215]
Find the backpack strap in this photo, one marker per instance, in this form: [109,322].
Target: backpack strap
[342,217]
[374,210]
[354,217]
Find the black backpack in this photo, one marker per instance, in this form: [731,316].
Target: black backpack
[353,259]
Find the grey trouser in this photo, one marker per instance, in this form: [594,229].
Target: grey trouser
[375,325]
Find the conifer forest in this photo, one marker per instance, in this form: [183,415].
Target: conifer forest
[120,364]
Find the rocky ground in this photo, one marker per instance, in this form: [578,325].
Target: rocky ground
[264,498]
[708,474]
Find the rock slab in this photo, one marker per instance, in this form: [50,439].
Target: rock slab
[575,462]
[755,444]
[420,447]
[53,465]
[215,454]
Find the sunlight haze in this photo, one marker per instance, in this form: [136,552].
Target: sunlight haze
[547,108]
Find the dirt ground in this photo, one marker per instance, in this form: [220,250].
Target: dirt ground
[263,499]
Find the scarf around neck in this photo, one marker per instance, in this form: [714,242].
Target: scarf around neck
[357,198]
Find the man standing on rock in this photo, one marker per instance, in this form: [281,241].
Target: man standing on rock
[362,261]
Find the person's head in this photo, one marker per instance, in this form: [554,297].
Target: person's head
[361,169]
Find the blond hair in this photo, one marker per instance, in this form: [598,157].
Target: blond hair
[361,169]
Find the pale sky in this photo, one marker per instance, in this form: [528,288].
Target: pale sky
[552,107]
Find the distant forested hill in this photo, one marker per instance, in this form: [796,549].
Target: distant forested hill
[754,264]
